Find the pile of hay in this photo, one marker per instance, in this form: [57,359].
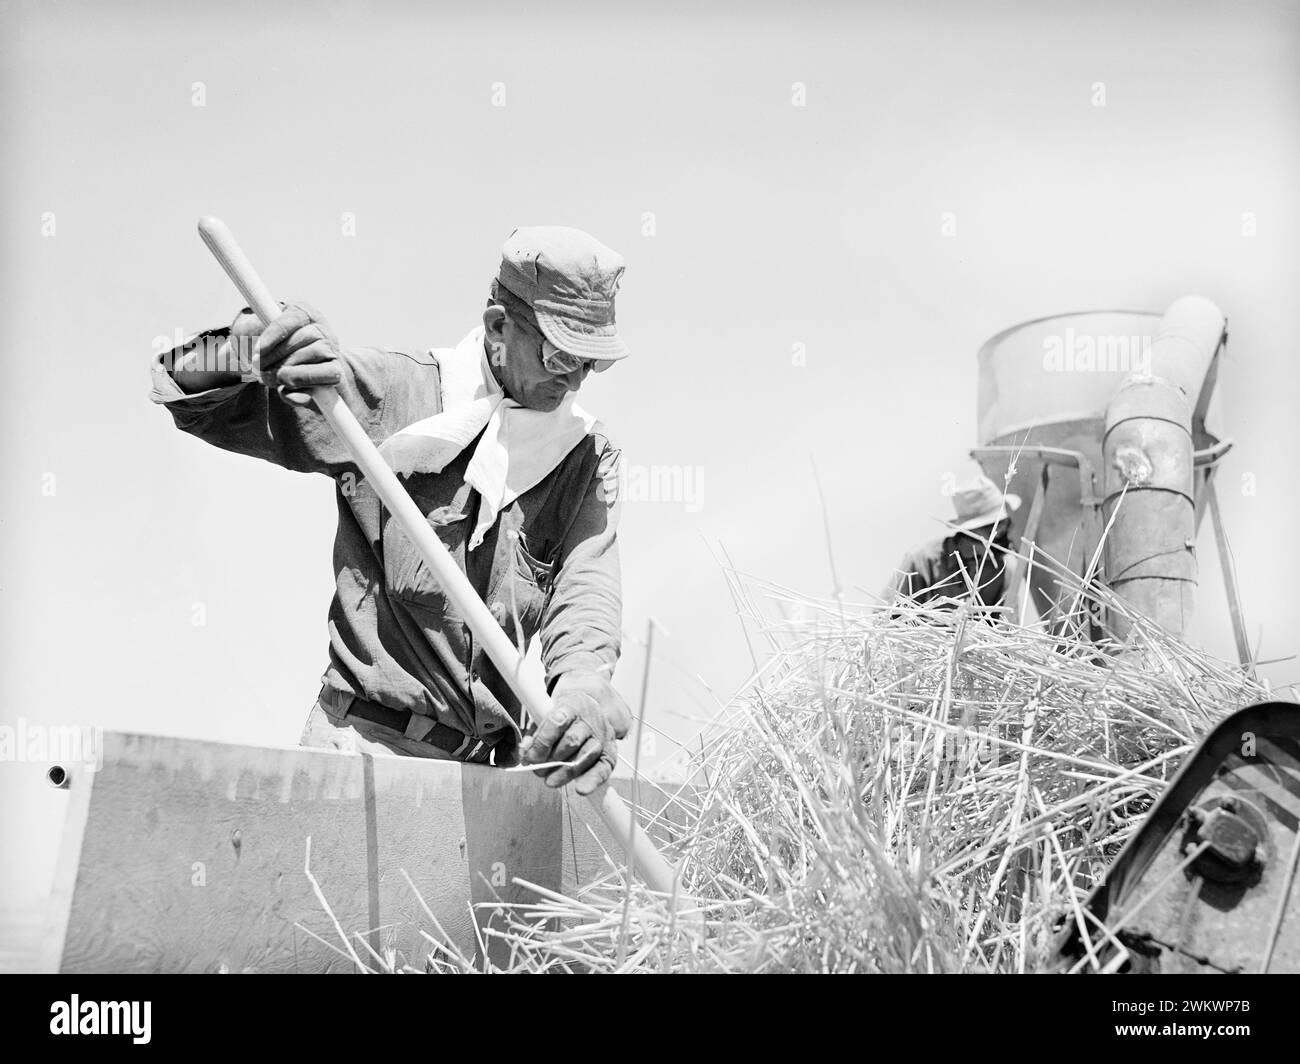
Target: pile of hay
[900,790]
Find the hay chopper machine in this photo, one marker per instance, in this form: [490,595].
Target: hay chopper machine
[1108,423]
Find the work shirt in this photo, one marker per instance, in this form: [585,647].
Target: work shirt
[934,570]
[549,563]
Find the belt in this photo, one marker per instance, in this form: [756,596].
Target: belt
[444,737]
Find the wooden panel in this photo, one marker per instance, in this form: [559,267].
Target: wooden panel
[186,856]
[513,828]
[590,853]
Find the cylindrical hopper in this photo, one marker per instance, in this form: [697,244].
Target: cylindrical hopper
[1044,387]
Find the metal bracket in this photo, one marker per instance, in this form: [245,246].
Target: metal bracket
[1022,572]
[1229,576]
[1088,496]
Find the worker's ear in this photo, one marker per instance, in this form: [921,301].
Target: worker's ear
[494,322]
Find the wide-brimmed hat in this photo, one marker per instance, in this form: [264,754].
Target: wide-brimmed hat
[978,502]
[569,279]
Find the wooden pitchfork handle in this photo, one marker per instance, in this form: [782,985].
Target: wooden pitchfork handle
[657,873]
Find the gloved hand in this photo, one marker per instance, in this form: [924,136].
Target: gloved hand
[587,718]
[295,352]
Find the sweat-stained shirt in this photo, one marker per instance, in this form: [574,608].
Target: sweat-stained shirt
[549,563]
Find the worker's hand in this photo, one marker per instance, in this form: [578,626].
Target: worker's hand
[296,352]
[587,718]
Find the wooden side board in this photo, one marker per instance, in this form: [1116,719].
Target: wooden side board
[590,852]
[186,856]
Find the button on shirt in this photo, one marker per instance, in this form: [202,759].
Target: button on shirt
[548,565]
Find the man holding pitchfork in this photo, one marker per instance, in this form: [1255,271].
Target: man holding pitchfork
[519,483]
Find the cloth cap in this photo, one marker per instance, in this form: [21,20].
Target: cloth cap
[569,279]
[978,502]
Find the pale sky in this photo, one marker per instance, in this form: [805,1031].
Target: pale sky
[750,225]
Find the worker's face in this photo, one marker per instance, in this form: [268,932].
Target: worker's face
[522,374]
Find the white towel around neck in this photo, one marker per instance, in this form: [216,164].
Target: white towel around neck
[519,448]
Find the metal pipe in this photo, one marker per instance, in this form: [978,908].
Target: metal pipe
[1149,458]
[1149,556]
[1229,579]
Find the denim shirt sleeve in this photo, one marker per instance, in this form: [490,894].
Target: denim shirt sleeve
[583,620]
[385,390]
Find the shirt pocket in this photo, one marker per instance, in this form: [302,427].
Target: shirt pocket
[523,590]
[533,568]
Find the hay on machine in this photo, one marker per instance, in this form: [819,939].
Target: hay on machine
[900,789]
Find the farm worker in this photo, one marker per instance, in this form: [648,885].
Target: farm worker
[518,480]
[975,551]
